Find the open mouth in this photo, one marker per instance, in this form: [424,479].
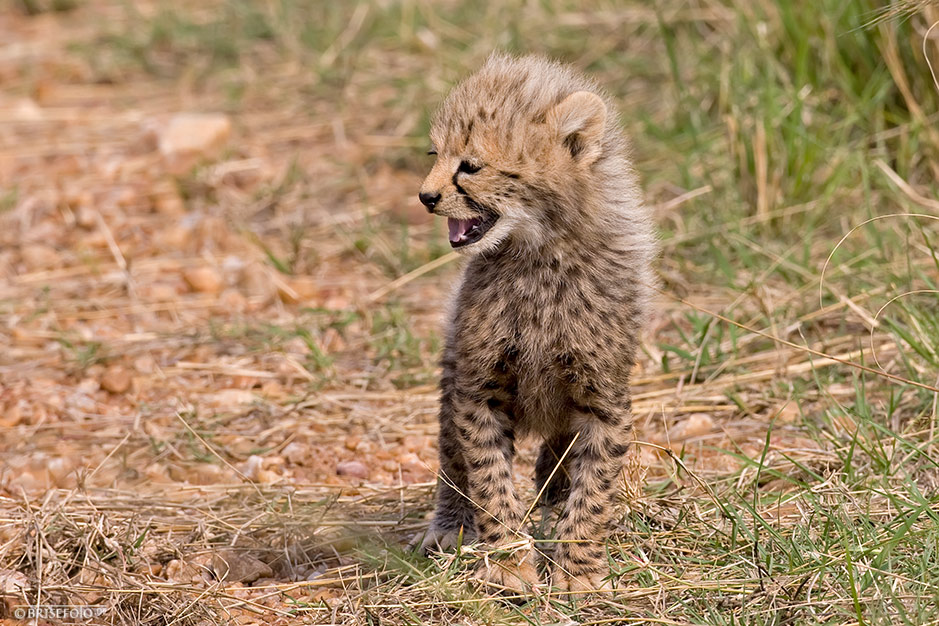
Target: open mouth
[465,232]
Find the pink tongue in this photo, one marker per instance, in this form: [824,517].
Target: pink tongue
[459,228]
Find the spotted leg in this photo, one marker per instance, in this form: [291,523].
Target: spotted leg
[596,461]
[455,513]
[487,440]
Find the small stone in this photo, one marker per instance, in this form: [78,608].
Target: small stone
[232,264]
[254,470]
[59,469]
[252,467]
[148,569]
[300,289]
[788,413]
[296,452]
[93,372]
[428,39]
[86,217]
[307,287]
[27,481]
[296,346]
[313,574]
[695,425]
[414,443]
[232,566]
[410,462]
[272,390]
[203,279]
[27,110]
[178,571]
[145,364]
[194,134]
[352,469]
[116,379]
[172,237]
[337,303]
[12,415]
[80,400]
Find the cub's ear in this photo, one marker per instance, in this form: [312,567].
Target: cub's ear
[579,120]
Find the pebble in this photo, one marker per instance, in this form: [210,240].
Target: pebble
[233,566]
[252,467]
[194,134]
[203,279]
[353,469]
[116,379]
[59,469]
[86,217]
[296,452]
[179,571]
[410,462]
[174,237]
[694,425]
[301,289]
[12,415]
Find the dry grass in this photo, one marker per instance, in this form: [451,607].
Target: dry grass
[190,350]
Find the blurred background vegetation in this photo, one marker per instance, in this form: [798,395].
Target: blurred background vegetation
[783,125]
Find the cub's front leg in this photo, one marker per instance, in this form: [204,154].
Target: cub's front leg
[596,460]
[455,513]
[487,442]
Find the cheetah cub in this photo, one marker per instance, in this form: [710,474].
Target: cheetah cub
[533,175]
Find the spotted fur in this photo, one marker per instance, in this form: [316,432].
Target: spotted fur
[545,324]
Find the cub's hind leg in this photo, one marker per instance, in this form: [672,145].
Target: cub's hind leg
[596,462]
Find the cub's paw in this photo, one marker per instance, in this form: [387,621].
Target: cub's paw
[439,539]
[514,573]
[583,583]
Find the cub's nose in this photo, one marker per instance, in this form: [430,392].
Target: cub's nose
[429,200]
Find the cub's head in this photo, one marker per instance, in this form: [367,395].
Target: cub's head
[518,145]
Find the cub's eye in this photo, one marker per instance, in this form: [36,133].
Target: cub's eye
[468,168]
[432,151]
